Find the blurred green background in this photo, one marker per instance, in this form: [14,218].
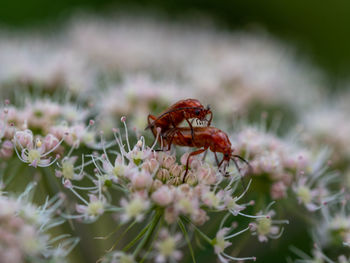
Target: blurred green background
[319,29]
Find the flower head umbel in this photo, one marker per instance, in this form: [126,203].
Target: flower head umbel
[153,191]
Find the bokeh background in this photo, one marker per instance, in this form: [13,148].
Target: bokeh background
[320,30]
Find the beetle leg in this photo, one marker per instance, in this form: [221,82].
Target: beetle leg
[168,136]
[216,159]
[204,156]
[188,159]
[191,127]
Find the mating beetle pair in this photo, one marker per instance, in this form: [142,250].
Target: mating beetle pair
[203,138]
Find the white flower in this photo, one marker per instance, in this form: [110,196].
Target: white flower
[93,209]
[265,227]
[163,196]
[33,153]
[220,244]
[166,247]
[134,208]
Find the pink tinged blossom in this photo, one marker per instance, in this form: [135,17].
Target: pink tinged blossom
[163,196]
[59,131]
[278,190]
[141,180]
[163,175]
[176,170]
[150,165]
[79,133]
[6,149]
[168,161]
[199,217]
[206,175]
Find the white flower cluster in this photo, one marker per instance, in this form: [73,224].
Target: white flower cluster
[24,229]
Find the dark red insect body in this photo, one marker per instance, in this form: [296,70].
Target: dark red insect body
[204,138]
[177,113]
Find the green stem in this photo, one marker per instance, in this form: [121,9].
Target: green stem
[148,234]
[16,170]
[121,236]
[138,237]
[150,247]
[205,237]
[184,231]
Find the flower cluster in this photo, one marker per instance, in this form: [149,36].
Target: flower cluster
[287,165]
[155,189]
[24,231]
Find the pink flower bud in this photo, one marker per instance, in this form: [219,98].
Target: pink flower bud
[150,165]
[141,180]
[163,196]
[169,161]
[163,175]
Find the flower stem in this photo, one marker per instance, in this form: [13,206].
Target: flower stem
[205,237]
[150,247]
[184,231]
[121,236]
[148,233]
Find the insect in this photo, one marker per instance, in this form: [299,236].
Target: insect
[178,112]
[205,138]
